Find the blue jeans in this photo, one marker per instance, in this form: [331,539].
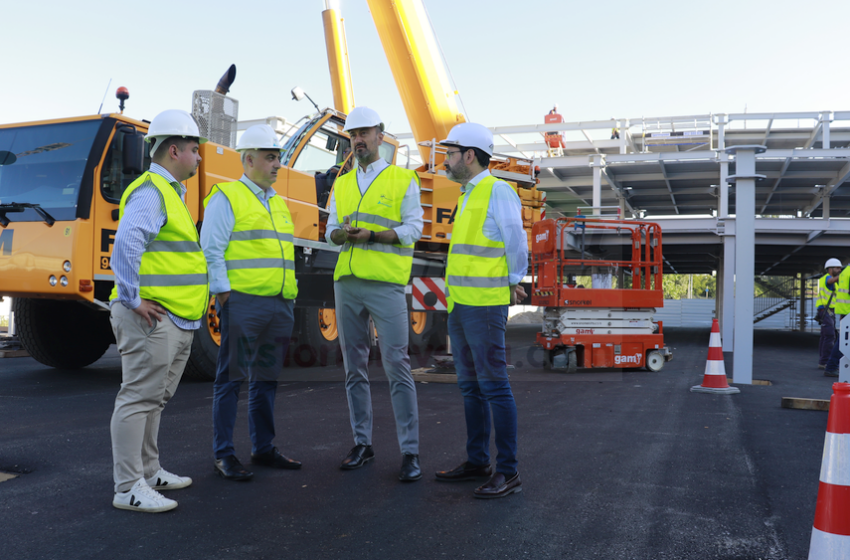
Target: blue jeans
[478,346]
[827,338]
[836,355]
[255,333]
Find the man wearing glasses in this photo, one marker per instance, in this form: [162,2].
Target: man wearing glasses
[488,257]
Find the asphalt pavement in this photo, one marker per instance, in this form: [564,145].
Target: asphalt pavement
[614,464]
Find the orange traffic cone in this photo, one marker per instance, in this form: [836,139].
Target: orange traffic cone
[714,380]
[831,530]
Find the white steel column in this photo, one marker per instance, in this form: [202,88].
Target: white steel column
[745,245]
[825,119]
[596,161]
[727,278]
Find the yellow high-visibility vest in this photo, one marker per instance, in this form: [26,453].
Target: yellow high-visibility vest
[260,257]
[379,209]
[824,293]
[477,271]
[842,292]
[173,271]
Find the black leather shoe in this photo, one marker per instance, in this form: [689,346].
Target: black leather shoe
[831,373]
[499,486]
[410,470]
[357,457]
[466,471]
[231,469]
[276,459]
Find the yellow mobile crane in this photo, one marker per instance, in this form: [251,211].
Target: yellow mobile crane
[61,181]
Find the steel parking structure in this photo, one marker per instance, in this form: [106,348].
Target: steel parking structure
[758,193]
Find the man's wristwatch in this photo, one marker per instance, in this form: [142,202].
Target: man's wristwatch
[371,237]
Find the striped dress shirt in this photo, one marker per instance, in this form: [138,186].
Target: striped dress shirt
[144,215]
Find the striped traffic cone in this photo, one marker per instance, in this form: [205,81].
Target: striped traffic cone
[714,380]
[831,530]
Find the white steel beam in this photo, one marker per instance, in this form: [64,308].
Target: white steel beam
[669,188]
[831,186]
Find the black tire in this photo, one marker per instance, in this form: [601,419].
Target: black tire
[204,357]
[316,340]
[431,336]
[62,334]
[572,360]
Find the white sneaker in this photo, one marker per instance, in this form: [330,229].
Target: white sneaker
[164,480]
[142,497]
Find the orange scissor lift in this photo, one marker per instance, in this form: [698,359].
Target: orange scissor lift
[607,325]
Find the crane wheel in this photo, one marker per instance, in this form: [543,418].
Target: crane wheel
[62,334]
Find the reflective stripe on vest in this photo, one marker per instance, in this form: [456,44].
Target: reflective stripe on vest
[379,209]
[173,271]
[477,271]
[842,293]
[260,257]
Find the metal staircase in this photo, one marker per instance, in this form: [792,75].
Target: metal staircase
[778,297]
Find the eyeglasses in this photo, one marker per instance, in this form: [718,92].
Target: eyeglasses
[450,154]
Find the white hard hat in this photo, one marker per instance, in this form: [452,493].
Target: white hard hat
[470,135]
[362,117]
[833,263]
[556,106]
[172,122]
[258,137]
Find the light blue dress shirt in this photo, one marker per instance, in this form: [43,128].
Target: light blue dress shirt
[215,233]
[144,215]
[410,229]
[504,223]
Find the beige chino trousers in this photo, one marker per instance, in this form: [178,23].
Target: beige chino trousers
[152,363]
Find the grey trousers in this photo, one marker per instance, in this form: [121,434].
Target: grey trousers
[356,299]
[152,363]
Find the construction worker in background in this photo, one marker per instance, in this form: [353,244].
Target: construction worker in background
[842,308]
[554,140]
[826,311]
[615,132]
[376,216]
[159,299]
[488,257]
[247,238]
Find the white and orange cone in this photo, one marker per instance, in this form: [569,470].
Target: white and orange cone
[831,530]
[714,380]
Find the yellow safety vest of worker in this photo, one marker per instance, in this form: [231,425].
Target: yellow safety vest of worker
[173,271]
[379,209]
[260,257]
[842,292]
[477,271]
[824,294]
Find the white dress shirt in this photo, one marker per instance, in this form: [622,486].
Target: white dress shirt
[504,223]
[410,229]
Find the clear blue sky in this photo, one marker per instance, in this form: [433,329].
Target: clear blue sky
[511,60]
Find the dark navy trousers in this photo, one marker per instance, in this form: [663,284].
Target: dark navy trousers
[255,333]
[478,346]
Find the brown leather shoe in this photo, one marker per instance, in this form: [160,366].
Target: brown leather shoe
[465,471]
[498,487]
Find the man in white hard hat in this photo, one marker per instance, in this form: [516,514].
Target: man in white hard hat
[376,216]
[826,311]
[247,238]
[841,282]
[160,296]
[488,257]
